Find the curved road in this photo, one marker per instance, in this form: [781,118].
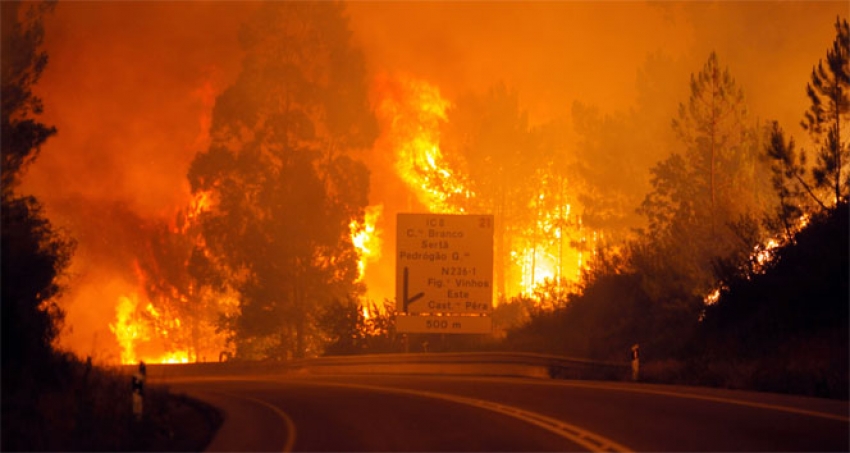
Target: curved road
[438,413]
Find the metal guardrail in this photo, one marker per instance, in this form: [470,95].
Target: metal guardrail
[486,363]
[460,363]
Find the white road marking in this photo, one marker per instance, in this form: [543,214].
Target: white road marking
[716,399]
[633,388]
[290,425]
[587,439]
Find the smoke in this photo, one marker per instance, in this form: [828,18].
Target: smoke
[556,53]
[130,87]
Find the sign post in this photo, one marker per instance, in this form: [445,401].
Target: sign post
[444,273]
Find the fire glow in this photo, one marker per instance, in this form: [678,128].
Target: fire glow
[131,330]
[119,145]
[412,112]
[366,239]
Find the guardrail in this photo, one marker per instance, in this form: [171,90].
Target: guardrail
[461,363]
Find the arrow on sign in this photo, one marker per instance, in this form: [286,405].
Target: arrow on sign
[408,300]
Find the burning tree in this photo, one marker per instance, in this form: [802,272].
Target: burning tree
[480,154]
[284,190]
[494,147]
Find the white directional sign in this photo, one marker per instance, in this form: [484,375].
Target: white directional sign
[443,324]
[444,269]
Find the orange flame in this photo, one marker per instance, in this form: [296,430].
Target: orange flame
[146,332]
[367,239]
[131,330]
[412,111]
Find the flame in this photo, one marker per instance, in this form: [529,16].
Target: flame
[201,202]
[126,331]
[154,333]
[554,250]
[764,254]
[135,326]
[712,297]
[366,238]
[412,111]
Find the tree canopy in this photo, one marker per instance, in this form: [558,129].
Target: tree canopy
[284,186]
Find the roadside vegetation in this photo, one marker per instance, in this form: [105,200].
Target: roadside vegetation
[52,401]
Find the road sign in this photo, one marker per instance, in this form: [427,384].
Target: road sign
[444,324]
[444,265]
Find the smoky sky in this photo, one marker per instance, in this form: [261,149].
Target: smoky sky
[130,87]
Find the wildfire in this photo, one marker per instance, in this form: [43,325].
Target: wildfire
[126,331]
[152,330]
[763,254]
[555,248]
[133,328]
[412,111]
[200,203]
[366,238]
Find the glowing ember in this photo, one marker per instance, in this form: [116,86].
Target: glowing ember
[200,203]
[763,254]
[712,297]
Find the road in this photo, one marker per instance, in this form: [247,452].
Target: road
[442,413]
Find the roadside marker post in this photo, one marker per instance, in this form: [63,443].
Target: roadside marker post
[635,362]
[138,389]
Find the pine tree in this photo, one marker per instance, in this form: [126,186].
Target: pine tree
[699,194]
[829,93]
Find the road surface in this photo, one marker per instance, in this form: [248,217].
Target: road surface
[441,413]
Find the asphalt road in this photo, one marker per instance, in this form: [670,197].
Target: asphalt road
[434,413]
